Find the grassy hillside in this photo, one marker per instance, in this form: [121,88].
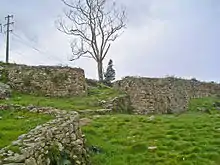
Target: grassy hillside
[192,138]
[95,94]
[14,123]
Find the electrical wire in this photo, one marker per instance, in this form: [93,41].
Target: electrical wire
[21,40]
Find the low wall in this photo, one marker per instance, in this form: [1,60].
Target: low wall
[58,140]
[164,95]
[119,104]
[45,80]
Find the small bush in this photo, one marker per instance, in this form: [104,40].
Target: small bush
[92,82]
[58,157]
[26,81]
[4,76]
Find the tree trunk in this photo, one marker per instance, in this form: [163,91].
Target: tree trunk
[100,70]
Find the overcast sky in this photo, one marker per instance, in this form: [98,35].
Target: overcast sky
[163,37]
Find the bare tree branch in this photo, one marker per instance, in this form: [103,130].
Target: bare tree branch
[94,24]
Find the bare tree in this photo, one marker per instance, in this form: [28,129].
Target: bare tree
[95,24]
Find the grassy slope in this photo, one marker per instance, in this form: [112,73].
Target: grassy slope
[11,126]
[188,139]
[74,103]
[206,102]
[192,138]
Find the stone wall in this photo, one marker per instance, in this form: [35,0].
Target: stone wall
[119,104]
[164,95]
[60,139]
[45,80]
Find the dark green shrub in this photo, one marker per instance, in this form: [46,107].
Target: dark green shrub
[58,157]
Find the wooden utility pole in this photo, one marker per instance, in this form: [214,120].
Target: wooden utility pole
[7,35]
[0,28]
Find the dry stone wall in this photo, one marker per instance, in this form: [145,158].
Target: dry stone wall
[119,104]
[45,80]
[164,95]
[5,91]
[58,140]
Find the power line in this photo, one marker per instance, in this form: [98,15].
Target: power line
[0,28]
[17,53]
[34,48]
[22,41]
[7,34]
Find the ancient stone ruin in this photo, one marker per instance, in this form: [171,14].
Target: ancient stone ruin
[58,140]
[164,95]
[45,80]
[63,135]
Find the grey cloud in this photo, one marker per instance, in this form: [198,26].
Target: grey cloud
[173,37]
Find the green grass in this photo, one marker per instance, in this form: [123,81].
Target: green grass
[192,138]
[206,102]
[14,123]
[72,103]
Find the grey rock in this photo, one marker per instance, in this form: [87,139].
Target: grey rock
[216,104]
[38,127]
[40,159]
[21,137]
[29,144]
[60,146]
[85,121]
[14,159]
[26,152]
[30,161]
[10,153]
[77,142]
[5,91]
[48,161]
[152,147]
[73,136]
[42,144]
[2,151]
[20,117]
[5,154]
[13,164]
[78,162]
[151,118]
[16,143]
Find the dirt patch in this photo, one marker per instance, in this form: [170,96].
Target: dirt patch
[84,121]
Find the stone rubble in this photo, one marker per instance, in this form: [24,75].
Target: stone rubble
[5,91]
[64,132]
